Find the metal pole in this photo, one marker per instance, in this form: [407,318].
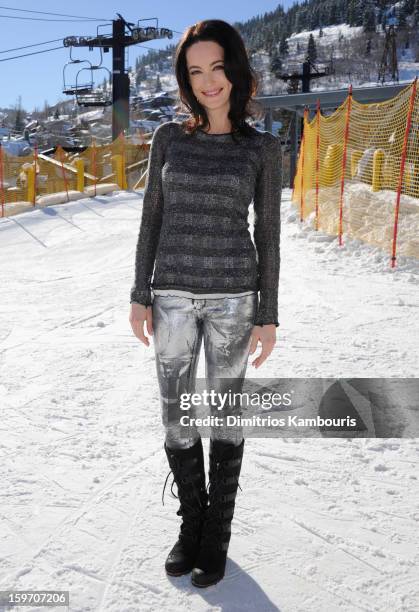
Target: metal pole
[402,165]
[268,120]
[295,133]
[302,165]
[120,81]
[317,161]
[1,181]
[342,177]
[306,77]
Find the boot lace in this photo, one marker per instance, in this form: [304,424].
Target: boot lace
[191,513]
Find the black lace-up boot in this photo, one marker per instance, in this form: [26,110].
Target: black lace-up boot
[188,470]
[225,464]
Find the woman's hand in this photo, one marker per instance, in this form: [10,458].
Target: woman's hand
[139,314]
[266,335]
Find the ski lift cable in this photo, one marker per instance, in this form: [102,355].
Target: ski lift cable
[9,8]
[49,20]
[56,48]
[47,42]
[33,53]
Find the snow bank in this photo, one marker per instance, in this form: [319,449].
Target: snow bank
[367,216]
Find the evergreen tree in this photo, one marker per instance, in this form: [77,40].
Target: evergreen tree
[311,49]
[369,22]
[352,12]
[19,122]
[313,18]
[383,20]
[416,14]
[359,12]
[304,20]
[276,64]
[269,42]
[158,84]
[402,18]
[283,45]
[56,113]
[46,109]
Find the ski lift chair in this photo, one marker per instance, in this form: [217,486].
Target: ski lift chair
[71,90]
[93,97]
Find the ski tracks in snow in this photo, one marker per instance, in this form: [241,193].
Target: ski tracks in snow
[320,524]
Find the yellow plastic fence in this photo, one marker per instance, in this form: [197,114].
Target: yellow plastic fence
[358,172]
[27,179]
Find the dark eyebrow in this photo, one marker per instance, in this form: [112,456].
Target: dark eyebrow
[220,60]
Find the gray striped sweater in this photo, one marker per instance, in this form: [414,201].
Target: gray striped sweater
[194,232]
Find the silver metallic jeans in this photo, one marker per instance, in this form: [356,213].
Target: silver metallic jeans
[179,324]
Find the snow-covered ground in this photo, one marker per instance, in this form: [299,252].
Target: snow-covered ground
[331,32]
[320,524]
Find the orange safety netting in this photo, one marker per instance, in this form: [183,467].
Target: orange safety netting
[358,172]
[99,160]
[26,179]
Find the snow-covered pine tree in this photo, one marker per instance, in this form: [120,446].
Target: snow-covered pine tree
[402,17]
[311,49]
[352,14]
[369,22]
[276,64]
[283,45]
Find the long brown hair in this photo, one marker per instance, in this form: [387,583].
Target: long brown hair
[237,70]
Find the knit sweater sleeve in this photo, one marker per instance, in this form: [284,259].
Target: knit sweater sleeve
[267,225]
[151,219]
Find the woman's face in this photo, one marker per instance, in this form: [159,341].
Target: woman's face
[205,62]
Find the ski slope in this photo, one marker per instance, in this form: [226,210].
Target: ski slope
[320,524]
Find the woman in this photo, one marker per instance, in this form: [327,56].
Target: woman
[202,176]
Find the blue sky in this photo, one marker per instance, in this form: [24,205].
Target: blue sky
[39,77]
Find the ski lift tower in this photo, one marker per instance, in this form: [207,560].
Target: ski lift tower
[305,76]
[118,41]
[389,57]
